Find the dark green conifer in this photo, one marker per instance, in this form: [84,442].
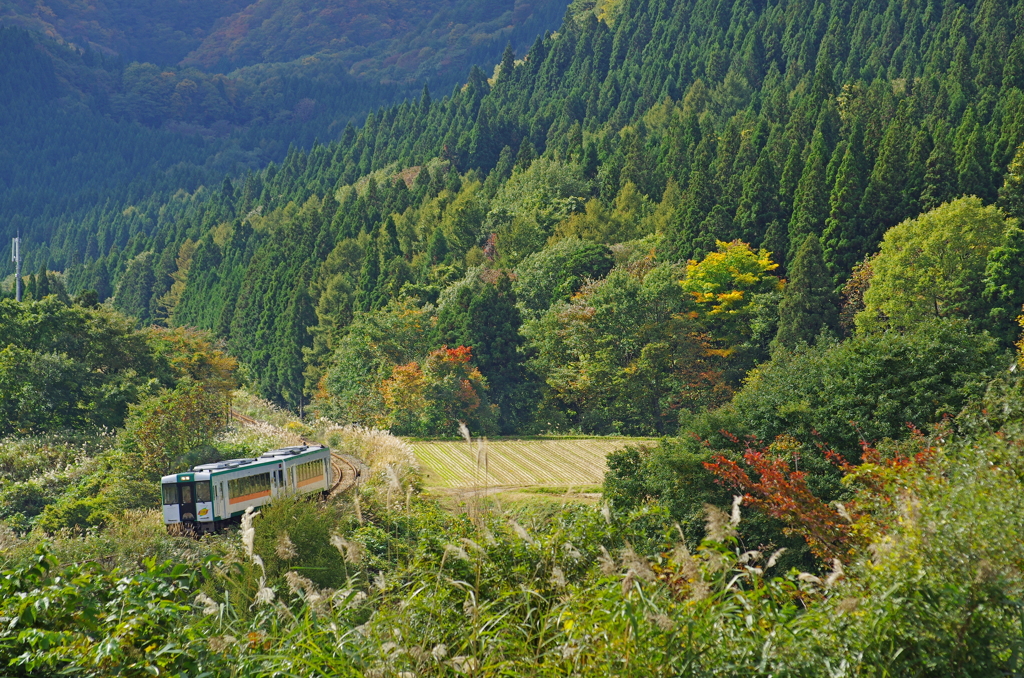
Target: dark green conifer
[369,277]
[1013,68]
[501,172]
[885,202]
[1011,195]
[437,248]
[508,64]
[971,170]
[843,236]
[1004,284]
[135,289]
[917,167]
[387,242]
[940,181]
[527,154]
[776,242]
[292,337]
[759,202]
[425,103]
[810,205]
[809,303]
[102,280]
[717,226]
[591,160]
[698,202]
[792,169]
[637,167]
[42,283]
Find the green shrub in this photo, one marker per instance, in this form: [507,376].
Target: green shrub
[295,534]
[869,387]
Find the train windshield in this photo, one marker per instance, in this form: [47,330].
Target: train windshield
[202,491]
[186,494]
[170,494]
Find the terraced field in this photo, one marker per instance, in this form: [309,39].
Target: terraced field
[517,463]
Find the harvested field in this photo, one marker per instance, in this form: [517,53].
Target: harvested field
[517,463]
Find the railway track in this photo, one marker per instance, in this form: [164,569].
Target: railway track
[346,470]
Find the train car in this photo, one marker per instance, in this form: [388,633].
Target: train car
[212,495]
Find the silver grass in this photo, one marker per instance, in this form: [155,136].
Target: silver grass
[285,549]
[734,519]
[718,526]
[209,605]
[465,664]
[841,509]
[264,595]
[835,575]
[473,545]
[521,532]
[775,558]
[248,531]
[661,620]
[627,582]
[221,643]
[809,578]
[608,567]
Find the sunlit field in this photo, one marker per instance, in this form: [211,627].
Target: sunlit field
[518,463]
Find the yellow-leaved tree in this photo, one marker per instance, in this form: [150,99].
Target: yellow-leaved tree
[725,287]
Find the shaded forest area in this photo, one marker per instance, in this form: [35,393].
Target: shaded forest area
[100,114]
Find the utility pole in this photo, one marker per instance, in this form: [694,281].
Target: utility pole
[16,258]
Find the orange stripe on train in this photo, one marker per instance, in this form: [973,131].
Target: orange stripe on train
[249,497]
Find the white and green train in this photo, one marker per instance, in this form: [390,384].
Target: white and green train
[211,495]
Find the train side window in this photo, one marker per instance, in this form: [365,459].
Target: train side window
[202,491]
[170,494]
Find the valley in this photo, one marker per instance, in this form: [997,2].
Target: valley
[668,338]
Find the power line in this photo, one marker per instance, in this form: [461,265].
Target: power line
[16,258]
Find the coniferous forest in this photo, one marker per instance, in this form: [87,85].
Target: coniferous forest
[779,243]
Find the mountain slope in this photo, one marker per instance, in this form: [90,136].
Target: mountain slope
[161,31]
[662,128]
[113,131]
[389,41]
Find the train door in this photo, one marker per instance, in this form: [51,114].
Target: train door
[187,501]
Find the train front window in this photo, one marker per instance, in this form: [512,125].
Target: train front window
[186,494]
[202,492]
[170,494]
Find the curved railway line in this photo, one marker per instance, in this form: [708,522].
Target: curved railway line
[345,469]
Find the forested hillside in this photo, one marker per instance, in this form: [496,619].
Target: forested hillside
[377,40]
[434,41]
[101,114]
[160,32]
[543,218]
